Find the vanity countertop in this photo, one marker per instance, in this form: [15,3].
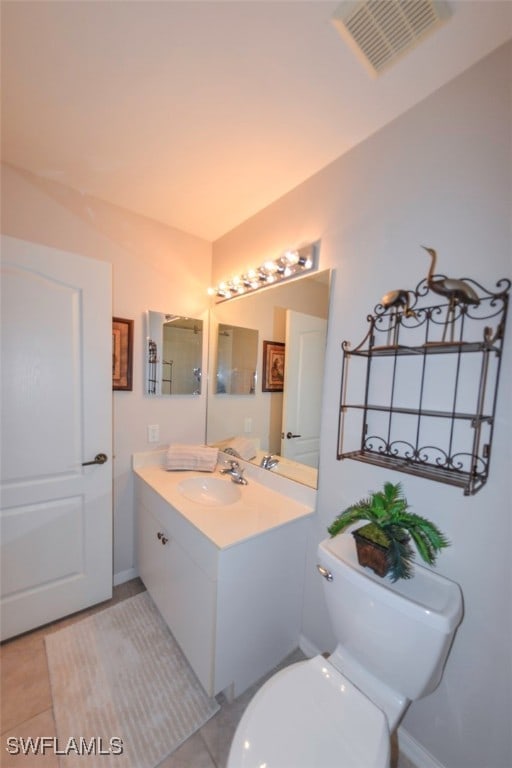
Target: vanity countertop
[258,510]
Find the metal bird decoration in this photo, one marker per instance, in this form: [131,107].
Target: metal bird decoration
[397,298]
[454,290]
[393,300]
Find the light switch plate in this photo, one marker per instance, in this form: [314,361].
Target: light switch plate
[153,433]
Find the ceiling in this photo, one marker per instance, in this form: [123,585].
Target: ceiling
[199,114]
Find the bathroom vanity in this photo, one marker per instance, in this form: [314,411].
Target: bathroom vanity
[226,577]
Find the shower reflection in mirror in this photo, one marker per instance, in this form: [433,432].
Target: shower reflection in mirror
[237,354]
[173,354]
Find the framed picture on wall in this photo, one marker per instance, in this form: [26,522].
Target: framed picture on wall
[273,366]
[122,353]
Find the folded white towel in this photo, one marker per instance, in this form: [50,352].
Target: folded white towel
[199,457]
[243,447]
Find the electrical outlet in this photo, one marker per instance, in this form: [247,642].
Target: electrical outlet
[153,433]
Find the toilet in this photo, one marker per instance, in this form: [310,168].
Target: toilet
[393,642]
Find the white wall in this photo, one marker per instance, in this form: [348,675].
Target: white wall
[154,267]
[440,175]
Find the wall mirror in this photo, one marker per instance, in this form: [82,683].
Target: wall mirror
[237,357]
[174,348]
[283,423]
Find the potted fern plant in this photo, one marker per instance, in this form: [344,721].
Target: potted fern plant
[385,543]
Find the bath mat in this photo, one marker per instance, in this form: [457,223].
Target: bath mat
[123,693]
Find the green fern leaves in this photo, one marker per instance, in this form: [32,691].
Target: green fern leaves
[388,511]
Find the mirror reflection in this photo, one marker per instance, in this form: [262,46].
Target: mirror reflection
[173,354]
[284,425]
[237,355]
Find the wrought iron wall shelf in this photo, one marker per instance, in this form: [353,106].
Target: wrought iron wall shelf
[420,413]
[431,348]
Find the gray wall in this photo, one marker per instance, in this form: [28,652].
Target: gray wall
[439,175]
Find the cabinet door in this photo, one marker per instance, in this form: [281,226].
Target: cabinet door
[183,593]
[259,609]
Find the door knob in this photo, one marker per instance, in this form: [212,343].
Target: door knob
[289,435]
[100,458]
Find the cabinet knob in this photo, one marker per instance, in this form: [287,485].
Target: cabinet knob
[162,537]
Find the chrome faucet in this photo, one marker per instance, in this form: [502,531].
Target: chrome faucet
[237,473]
[268,462]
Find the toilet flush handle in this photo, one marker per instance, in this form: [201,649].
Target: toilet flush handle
[324,572]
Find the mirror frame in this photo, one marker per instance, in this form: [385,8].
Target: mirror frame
[153,367]
[239,421]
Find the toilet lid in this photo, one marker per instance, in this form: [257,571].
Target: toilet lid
[310,716]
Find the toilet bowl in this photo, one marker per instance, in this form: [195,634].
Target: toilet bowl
[309,715]
[393,642]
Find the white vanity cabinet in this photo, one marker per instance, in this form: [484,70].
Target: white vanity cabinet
[235,610]
[182,590]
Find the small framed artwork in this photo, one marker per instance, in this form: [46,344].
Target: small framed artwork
[122,353]
[273,366]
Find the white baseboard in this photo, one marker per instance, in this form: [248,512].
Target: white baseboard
[415,752]
[408,745]
[122,576]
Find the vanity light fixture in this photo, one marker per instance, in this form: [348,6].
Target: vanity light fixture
[292,263]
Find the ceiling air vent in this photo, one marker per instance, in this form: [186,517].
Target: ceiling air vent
[380,31]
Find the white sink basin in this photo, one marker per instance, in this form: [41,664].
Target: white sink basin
[212,491]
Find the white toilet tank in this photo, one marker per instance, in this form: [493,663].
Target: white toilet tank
[399,633]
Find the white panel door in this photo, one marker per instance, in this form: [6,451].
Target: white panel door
[302,400]
[56,514]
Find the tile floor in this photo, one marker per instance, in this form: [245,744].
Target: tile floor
[26,703]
